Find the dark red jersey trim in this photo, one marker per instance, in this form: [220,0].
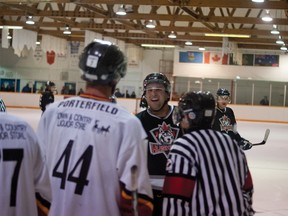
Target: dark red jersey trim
[95,97]
[178,186]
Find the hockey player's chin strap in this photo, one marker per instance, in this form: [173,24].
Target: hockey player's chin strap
[222,110]
[153,110]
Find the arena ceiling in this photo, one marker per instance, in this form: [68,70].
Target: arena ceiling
[190,20]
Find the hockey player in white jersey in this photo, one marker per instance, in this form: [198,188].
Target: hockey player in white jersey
[22,169]
[91,144]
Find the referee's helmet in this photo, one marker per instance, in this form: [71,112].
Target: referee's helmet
[199,108]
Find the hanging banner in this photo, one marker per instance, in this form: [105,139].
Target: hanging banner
[50,57]
[38,53]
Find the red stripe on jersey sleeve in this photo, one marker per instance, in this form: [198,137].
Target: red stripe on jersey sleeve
[248,182]
[178,186]
[145,207]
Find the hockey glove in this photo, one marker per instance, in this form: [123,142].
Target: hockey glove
[245,144]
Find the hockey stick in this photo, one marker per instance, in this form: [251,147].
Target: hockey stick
[267,132]
[134,190]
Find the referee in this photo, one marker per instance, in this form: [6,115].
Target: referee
[206,172]
[2,106]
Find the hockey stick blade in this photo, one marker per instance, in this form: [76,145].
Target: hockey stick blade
[267,132]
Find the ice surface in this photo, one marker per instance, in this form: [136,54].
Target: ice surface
[268,163]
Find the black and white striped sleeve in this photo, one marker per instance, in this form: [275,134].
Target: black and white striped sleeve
[180,180]
[2,106]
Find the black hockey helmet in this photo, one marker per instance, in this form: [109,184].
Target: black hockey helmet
[102,63]
[223,92]
[199,108]
[155,78]
[50,84]
[223,95]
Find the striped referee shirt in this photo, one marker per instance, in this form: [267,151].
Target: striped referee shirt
[2,106]
[207,174]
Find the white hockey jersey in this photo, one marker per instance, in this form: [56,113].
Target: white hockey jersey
[90,147]
[22,168]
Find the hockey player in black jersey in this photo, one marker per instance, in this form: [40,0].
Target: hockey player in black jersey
[157,122]
[47,96]
[207,172]
[225,120]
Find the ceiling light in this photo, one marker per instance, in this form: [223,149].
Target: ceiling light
[267,17]
[67,30]
[279,41]
[258,1]
[151,24]
[37,42]
[11,27]
[188,43]
[30,20]
[202,48]
[283,48]
[158,45]
[172,35]
[121,11]
[227,35]
[275,30]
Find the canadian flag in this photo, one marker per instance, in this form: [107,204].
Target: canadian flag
[212,58]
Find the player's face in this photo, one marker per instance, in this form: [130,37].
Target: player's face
[156,95]
[223,101]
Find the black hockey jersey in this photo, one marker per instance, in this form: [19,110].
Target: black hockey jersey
[225,122]
[161,134]
[46,98]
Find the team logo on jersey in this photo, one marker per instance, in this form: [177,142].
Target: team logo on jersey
[225,124]
[100,129]
[164,135]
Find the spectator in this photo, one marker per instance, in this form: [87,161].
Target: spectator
[133,95]
[87,177]
[27,88]
[65,90]
[80,91]
[207,172]
[117,93]
[264,101]
[127,95]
